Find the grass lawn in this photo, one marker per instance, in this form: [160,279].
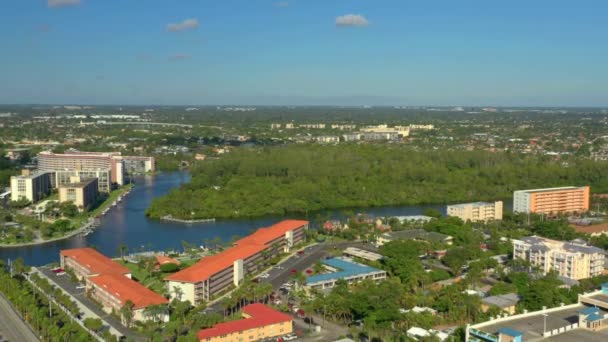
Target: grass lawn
[153,281]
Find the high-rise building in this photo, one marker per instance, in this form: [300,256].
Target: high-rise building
[30,186]
[478,211]
[569,259]
[552,200]
[63,177]
[76,160]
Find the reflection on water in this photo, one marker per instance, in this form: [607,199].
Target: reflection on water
[126,223]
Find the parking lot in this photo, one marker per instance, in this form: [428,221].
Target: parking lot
[88,307]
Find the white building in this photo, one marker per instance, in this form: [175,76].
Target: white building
[477,211]
[30,186]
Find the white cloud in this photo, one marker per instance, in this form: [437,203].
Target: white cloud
[188,24]
[351,20]
[62,3]
[281,4]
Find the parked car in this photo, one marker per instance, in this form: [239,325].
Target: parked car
[80,287]
[58,270]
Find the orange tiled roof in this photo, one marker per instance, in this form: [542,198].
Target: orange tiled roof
[211,265]
[261,315]
[243,249]
[161,260]
[266,235]
[125,289]
[94,261]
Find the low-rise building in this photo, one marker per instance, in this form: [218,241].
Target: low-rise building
[32,186]
[477,211]
[341,269]
[87,262]
[506,302]
[113,291]
[414,234]
[574,259]
[217,273]
[83,193]
[259,322]
[362,254]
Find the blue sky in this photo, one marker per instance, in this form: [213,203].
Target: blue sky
[347,52]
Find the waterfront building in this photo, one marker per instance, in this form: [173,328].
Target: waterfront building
[477,211]
[83,193]
[30,186]
[342,269]
[138,164]
[572,260]
[552,201]
[217,273]
[87,262]
[113,291]
[104,178]
[76,160]
[110,284]
[259,322]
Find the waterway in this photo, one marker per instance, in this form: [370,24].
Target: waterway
[126,223]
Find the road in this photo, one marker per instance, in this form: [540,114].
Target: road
[86,305]
[12,328]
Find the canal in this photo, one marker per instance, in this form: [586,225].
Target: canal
[126,223]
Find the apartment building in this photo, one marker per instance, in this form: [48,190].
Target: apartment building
[572,260]
[552,201]
[113,291]
[110,283]
[259,322]
[104,178]
[82,192]
[342,269]
[217,273]
[87,262]
[476,212]
[76,160]
[30,186]
[138,164]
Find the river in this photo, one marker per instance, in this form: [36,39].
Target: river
[126,223]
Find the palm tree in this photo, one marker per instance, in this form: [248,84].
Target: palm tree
[127,312]
[178,292]
[122,250]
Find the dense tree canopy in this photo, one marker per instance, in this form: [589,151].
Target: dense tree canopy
[301,178]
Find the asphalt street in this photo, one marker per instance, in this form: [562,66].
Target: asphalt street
[12,328]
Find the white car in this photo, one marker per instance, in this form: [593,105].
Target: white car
[264,275]
[80,287]
[289,337]
[60,273]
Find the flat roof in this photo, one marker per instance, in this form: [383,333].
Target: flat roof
[502,301]
[125,289]
[580,335]
[346,270]
[260,316]
[532,326]
[553,189]
[243,249]
[80,184]
[94,261]
[361,253]
[476,204]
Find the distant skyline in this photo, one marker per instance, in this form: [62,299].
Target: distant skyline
[305,52]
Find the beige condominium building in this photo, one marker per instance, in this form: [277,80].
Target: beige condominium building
[478,211]
[574,260]
[83,193]
[550,201]
[30,186]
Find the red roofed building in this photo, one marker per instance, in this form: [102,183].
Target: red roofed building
[259,322]
[214,274]
[163,260]
[114,290]
[86,262]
